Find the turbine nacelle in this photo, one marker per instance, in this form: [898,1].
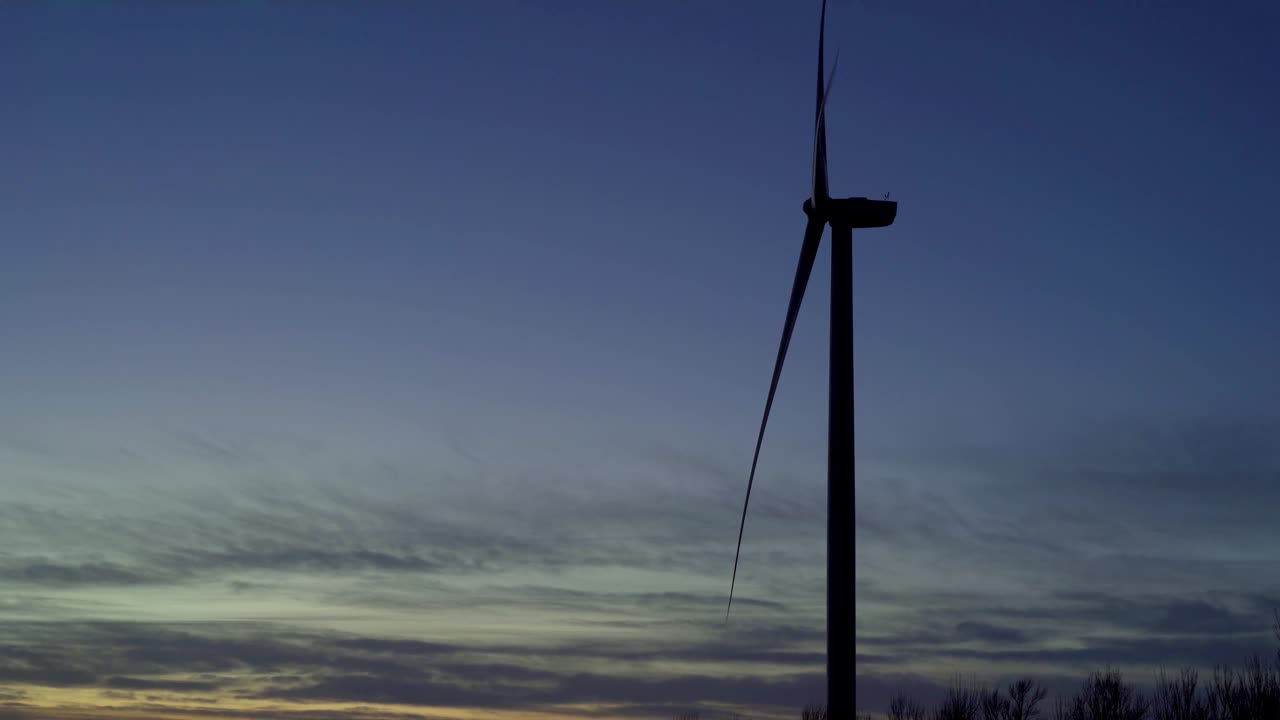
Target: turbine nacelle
[857,212]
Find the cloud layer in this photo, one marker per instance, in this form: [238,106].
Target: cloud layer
[416,590]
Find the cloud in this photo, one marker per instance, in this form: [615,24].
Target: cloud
[1100,651]
[393,690]
[52,676]
[233,659]
[1100,549]
[132,683]
[988,633]
[268,529]
[42,572]
[299,559]
[162,707]
[791,691]
[411,648]
[1101,627]
[553,690]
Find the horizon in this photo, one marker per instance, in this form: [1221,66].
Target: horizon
[406,359]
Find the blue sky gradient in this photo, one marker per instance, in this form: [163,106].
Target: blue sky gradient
[451,322]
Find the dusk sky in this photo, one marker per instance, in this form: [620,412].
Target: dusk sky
[389,359]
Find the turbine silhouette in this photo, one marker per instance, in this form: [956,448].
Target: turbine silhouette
[843,215]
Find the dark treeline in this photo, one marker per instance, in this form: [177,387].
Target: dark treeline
[1250,692]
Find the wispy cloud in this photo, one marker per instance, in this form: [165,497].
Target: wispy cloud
[525,596]
[236,660]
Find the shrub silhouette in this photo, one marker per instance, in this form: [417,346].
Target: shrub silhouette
[902,707]
[814,712]
[818,711]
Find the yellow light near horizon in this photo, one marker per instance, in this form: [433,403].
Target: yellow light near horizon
[44,703]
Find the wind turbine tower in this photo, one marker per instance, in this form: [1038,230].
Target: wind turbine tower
[843,215]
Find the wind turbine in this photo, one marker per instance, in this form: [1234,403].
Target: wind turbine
[843,215]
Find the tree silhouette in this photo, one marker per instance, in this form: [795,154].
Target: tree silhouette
[814,712]
[903,708]
[994,705]
[1104,696]
[1177,698]
[1024,700]
[960,703]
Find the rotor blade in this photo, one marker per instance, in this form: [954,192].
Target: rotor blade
[820,126]
[808,253]
[820,136]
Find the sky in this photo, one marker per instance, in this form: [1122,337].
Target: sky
[404,359]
